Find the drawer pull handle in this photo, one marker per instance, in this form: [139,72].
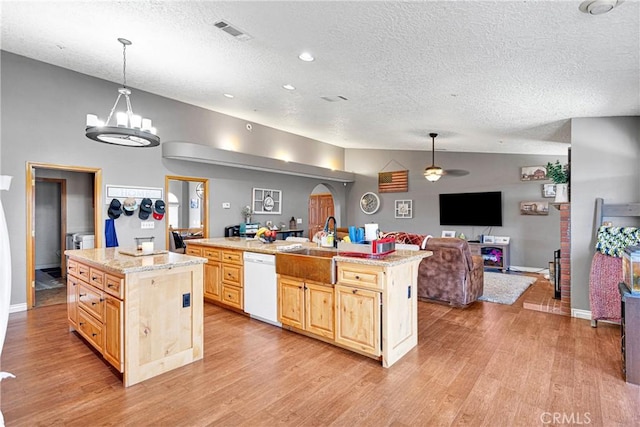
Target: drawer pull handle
[94,334]
[82,295]
[355,291]
[109,285]
[94,277]
[81,323]
[357,277]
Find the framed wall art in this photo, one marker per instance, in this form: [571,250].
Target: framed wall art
[448,233]
[534,208]
[404,208]
[266,201]
[548,190]
[533,173]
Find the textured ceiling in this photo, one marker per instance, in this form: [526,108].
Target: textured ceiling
[488,76]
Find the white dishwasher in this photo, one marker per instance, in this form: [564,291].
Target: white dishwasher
[261,287]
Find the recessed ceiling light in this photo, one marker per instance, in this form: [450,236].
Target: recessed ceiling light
[228,95]
[598,7]
[306,57]
[289,87]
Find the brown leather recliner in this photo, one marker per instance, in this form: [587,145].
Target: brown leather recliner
[451,274]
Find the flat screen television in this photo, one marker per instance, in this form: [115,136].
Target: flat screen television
[471,209]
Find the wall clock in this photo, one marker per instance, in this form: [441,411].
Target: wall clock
[369,203]
[200,190]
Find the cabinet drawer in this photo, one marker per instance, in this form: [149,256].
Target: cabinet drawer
[83,272]
[72,267]
[91,300]
[113,285]
[96,278]
[232,275]
[193,250]
[361,275]
[91,329]
[212,254]
[232,296]
[232,257]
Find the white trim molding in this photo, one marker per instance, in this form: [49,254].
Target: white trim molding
[16,308]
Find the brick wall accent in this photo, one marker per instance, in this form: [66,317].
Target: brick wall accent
[565,258]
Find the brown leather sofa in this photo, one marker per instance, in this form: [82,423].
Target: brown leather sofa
[451,274]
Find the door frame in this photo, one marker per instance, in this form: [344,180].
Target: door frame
[30,184]
[63,219]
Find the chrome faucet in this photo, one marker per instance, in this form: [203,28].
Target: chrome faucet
[326,228]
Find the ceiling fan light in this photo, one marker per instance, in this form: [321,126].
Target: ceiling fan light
[433,173]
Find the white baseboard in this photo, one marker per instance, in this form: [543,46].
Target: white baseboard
[581,314]
[16,308]
[40,267]
[541,270]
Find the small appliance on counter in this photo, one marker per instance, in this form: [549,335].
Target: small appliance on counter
[378,248]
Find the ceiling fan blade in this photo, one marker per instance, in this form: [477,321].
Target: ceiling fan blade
[456,172]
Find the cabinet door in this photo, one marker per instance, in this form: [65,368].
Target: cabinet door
[113,338]
[358,319]
[72,301]
[212,280]
[291,302]
[319,309]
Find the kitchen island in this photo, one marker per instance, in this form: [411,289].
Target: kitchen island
[368,306]
[142,313]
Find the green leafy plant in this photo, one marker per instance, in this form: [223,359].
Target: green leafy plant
[246,211]
[557,172]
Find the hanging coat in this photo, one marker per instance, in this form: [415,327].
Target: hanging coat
[110,233]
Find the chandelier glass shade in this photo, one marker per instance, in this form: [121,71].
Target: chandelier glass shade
[433,172]
[128,129]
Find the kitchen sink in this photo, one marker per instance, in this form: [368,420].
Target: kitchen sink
[310,264]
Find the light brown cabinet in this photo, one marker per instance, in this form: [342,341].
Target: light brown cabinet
[120,305]
[376,308]
[94,309]
[358,319]
[306,305]
[223,274]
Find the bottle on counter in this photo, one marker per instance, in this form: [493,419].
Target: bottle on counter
[292,223]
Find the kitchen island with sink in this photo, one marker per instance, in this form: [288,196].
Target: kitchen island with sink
[368,306]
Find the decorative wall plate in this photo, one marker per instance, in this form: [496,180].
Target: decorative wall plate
[369,203]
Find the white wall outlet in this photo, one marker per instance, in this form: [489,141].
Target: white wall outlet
[226,205]
[299,220]
[147,225]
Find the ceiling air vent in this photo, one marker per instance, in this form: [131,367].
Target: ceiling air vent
[234,31]
[334,98]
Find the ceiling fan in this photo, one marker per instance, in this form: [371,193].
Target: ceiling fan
[433,172]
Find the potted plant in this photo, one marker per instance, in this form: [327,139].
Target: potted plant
[559,174]
[246,213]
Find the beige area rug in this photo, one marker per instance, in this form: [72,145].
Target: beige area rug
[504,288]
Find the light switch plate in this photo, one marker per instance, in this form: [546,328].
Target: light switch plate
[147,225]
[299,220]
[226,205]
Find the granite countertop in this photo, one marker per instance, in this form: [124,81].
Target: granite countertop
[111,259]
[255,245]
[247,244]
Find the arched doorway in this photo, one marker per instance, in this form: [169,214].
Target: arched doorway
[321,206]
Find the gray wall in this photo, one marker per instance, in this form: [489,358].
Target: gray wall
[605,159]
[533,238]
[43,111]
[47,219]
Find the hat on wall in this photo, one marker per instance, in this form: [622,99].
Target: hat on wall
[145,208]
[129,206]
[115,209]
[158,210]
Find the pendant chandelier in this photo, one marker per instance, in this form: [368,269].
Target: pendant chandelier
[433,172]
[130,129]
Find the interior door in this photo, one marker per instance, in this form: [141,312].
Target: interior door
[320,208]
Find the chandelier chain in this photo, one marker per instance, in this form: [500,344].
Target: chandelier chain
[124,65]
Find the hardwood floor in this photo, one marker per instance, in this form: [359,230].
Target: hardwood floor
[489,364]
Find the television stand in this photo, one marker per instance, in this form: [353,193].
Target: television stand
[494,255]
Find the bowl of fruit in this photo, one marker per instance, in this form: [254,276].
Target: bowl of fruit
[266,235]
